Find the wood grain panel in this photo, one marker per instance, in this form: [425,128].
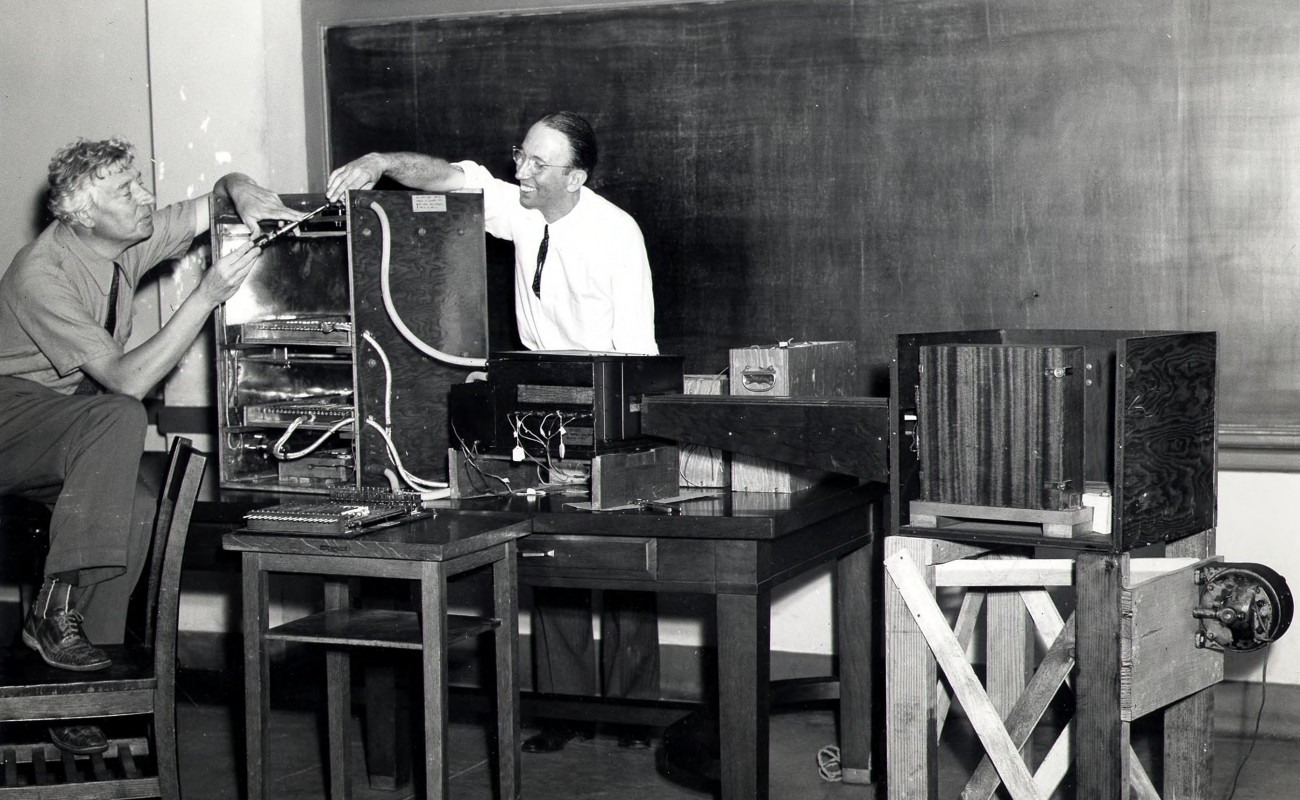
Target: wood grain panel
[436,283]
[1001,425]
[1166,440]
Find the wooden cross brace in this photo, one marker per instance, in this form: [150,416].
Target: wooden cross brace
[1003,739]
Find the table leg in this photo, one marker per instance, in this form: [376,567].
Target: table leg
[387,741]
[744,688]
[854,626]
[338,699]
[256,675]
[506,609]
[388,722]
[433,623]
[1102,737]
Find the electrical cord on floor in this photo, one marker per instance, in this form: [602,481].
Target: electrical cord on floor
[1259,716]
[828,763]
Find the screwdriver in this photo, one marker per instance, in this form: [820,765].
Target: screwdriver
[271,236]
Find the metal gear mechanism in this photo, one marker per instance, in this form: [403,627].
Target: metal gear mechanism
[1243,606]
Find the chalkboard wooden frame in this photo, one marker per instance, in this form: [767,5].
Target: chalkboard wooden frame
[949,165]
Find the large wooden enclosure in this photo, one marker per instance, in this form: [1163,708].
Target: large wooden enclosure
[1148,401]
[325,374]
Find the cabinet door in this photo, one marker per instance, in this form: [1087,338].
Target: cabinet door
[419,287]
[1001,425]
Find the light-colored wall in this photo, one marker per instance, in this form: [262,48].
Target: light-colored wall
[1257,512]
[227,95]
[226,84]
[80,71]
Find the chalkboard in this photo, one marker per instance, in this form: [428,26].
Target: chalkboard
[833,169]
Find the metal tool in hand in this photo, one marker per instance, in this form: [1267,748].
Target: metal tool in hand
[271,236]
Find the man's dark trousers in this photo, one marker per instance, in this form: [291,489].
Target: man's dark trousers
[80,455]
[563,648]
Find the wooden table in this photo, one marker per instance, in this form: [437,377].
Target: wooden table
[426,551]
[737,547]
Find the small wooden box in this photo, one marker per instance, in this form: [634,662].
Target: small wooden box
[795,369]
[701,466]
[628,477]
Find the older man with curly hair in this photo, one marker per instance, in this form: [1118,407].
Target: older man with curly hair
[71,419]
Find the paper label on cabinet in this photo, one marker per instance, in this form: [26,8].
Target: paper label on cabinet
[424,203]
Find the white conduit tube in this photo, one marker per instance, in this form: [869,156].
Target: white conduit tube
[385,430]
[386,291]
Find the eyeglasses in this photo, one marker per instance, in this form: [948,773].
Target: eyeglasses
[534,163]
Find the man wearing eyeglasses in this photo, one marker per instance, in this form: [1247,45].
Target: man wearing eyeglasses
[582,282]
[586,288]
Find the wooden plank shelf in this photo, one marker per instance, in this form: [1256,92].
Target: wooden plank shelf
[374,628]
[1064,524]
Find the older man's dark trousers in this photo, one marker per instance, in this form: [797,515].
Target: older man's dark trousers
[80,455]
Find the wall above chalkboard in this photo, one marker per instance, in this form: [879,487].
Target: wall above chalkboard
[828,169]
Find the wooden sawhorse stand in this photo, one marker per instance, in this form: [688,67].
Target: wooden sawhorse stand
[1131,635]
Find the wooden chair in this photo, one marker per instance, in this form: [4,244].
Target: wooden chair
[140,682]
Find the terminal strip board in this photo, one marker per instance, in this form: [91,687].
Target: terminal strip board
[326,518]
[324,329]
[561,404]
[315,413]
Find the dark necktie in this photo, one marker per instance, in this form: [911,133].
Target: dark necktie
[541,259]
[88,384]
[110,322]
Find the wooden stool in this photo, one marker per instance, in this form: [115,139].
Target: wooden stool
[1132,635]
[427,551]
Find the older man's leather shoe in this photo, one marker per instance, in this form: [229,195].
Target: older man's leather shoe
[53,629]
[82,740]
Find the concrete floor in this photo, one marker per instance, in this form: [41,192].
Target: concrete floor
[211,762]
